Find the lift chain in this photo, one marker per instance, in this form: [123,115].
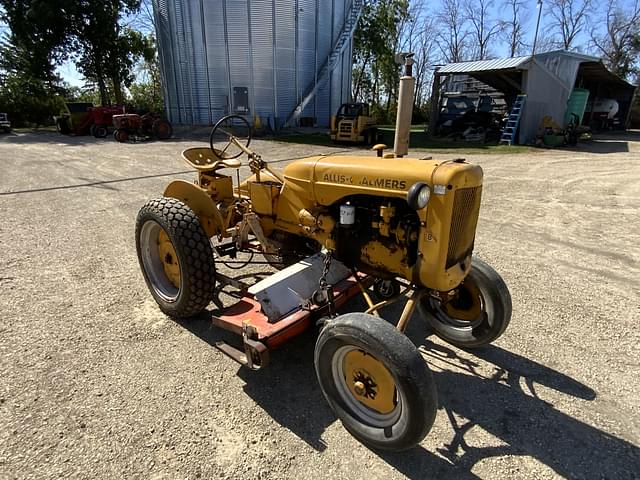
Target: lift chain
[325,288]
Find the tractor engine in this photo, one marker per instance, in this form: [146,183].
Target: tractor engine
[377,235]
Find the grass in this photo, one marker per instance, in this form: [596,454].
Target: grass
[419,141]
[47,128]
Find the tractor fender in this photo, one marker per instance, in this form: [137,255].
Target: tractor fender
[201,203]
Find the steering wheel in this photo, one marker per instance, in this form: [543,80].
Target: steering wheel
[234,127]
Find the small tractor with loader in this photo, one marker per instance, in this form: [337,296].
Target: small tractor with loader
[131,126]
[82,118]
[352,123]
[337,226]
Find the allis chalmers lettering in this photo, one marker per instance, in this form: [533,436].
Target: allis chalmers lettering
[383,183]
[366,182]
[334,177]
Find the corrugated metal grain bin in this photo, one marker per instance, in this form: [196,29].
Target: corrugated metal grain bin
[258,58]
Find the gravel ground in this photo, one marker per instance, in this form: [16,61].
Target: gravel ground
[95,382]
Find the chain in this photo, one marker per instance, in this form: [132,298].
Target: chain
[325,271]
[324,286]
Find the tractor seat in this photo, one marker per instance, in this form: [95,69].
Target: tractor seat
[203,158]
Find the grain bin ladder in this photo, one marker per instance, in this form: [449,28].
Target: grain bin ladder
[511,128]
[349,27]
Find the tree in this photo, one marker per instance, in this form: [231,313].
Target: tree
[619,45]
[568,20]
[37,41]
[420,37]
[30,49]
[453,33]
[146,92]
[512,29]
[376,41]
[483,28]
[107,50]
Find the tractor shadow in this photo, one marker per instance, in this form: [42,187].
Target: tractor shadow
[497,402]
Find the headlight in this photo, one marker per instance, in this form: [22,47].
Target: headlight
[418,195]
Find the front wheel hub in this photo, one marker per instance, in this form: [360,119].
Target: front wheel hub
[369,381]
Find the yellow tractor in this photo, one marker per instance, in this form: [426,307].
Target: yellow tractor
[338,226]
[352,123]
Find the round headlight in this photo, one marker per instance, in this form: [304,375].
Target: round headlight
[418,195]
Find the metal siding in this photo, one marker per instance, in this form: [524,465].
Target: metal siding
[262,49]
[193,56]
[182,72]
[337,75]
[325,42]
[306,50]
[216,59]
[238,38]
[545,96]
[199,97]
[285,59]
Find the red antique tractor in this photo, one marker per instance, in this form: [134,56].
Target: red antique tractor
[80,118]
[141,127]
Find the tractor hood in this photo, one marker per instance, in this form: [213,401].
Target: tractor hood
[325,180]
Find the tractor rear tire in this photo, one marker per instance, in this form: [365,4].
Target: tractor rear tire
[175,256]
[162,129]
[478,316]
[376,381]
[100,131]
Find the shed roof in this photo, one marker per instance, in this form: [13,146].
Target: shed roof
[485,65]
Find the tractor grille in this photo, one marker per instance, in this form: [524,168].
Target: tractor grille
[345,127]
[464,219]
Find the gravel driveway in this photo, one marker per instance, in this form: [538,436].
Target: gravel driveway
[95,382]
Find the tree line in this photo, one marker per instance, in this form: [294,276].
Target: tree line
[112,44]
[97,36]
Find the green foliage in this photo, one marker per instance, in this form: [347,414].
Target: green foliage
[146,92]
[27,102]
[376,40]
[107,51]
[37,39]
[86,94]
[146,97]
[43,34]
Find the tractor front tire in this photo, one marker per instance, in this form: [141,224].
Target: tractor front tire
[478,315]
[175,256]
[376,381]
[121,135]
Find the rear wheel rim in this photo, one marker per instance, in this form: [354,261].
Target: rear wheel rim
[160,261]
[366,387]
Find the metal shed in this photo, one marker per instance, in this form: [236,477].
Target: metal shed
[546,78]
[276,60]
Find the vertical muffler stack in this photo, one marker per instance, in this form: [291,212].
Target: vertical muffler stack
[405,105]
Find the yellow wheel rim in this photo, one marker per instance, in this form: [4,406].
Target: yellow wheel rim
[369,381]
[169,258]
[467,306]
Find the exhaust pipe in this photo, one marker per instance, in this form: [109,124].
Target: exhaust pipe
[405,105]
